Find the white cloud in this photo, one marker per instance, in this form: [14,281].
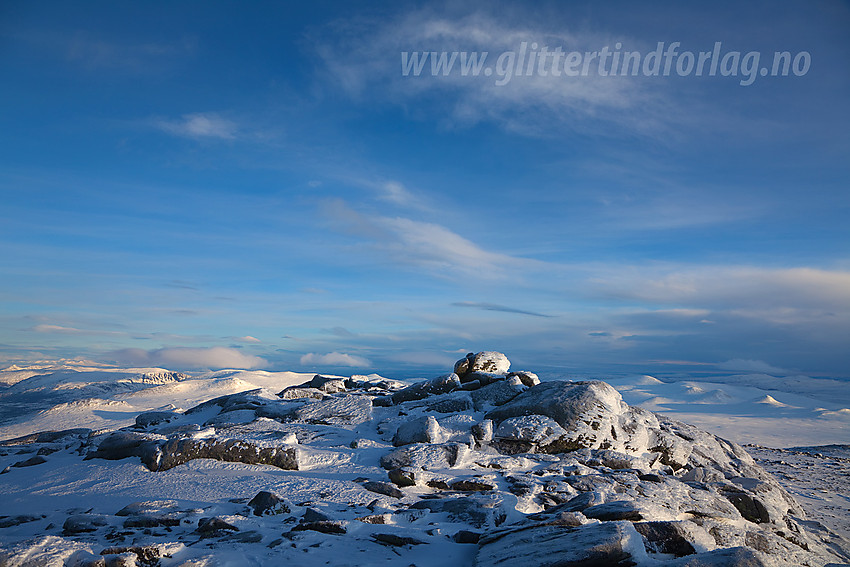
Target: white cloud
[335,359]
[200,125]
[366,62]
[184,357]
[749,288]
[397,193]
[425,244]
[58,329]
[248,339]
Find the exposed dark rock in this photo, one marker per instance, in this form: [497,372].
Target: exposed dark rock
[466,536]
[32,461]
[483,378]
[146,555]
[149,418]
[402,477]
[10,521]
[483,431]
[651,477]
[579,503]
[385,488]
[462,366]
[313,515]
[151,521]
[325,527]
[471,485]
[214,527]
[46,437]
[396,540]
[750,508]
[268,503]
[613,511]
[730,557]
[82,523]
[251,536]
[179,451]
[123,444]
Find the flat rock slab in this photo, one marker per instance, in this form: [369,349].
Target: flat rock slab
[560,546]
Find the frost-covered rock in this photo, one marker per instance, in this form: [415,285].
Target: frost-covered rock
[609,543]
[497,393]
[533,429]
[298,392]
[344,411]
[426,457]
[528,378]
[327,384]
[144,420]
[422,430]
[268,503]
[420,390]
[487,361]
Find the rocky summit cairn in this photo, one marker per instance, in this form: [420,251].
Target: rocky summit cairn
[530,473]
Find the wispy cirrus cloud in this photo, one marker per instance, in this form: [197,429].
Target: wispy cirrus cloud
[64,330]
[424,244]
[527,104]
[496,307]
[201,125]
[96,52]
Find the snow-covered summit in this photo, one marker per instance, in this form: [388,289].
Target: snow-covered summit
[481,466]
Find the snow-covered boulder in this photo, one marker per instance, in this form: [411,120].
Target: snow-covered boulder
[422,430]
[487,361]
[420,390]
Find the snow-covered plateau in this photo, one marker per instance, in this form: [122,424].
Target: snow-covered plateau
[104,466]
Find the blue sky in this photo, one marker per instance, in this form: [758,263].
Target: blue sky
[204,185]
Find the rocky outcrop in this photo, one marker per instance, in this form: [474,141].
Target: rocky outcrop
[546,473]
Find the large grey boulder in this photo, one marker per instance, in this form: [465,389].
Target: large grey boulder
[592,414]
